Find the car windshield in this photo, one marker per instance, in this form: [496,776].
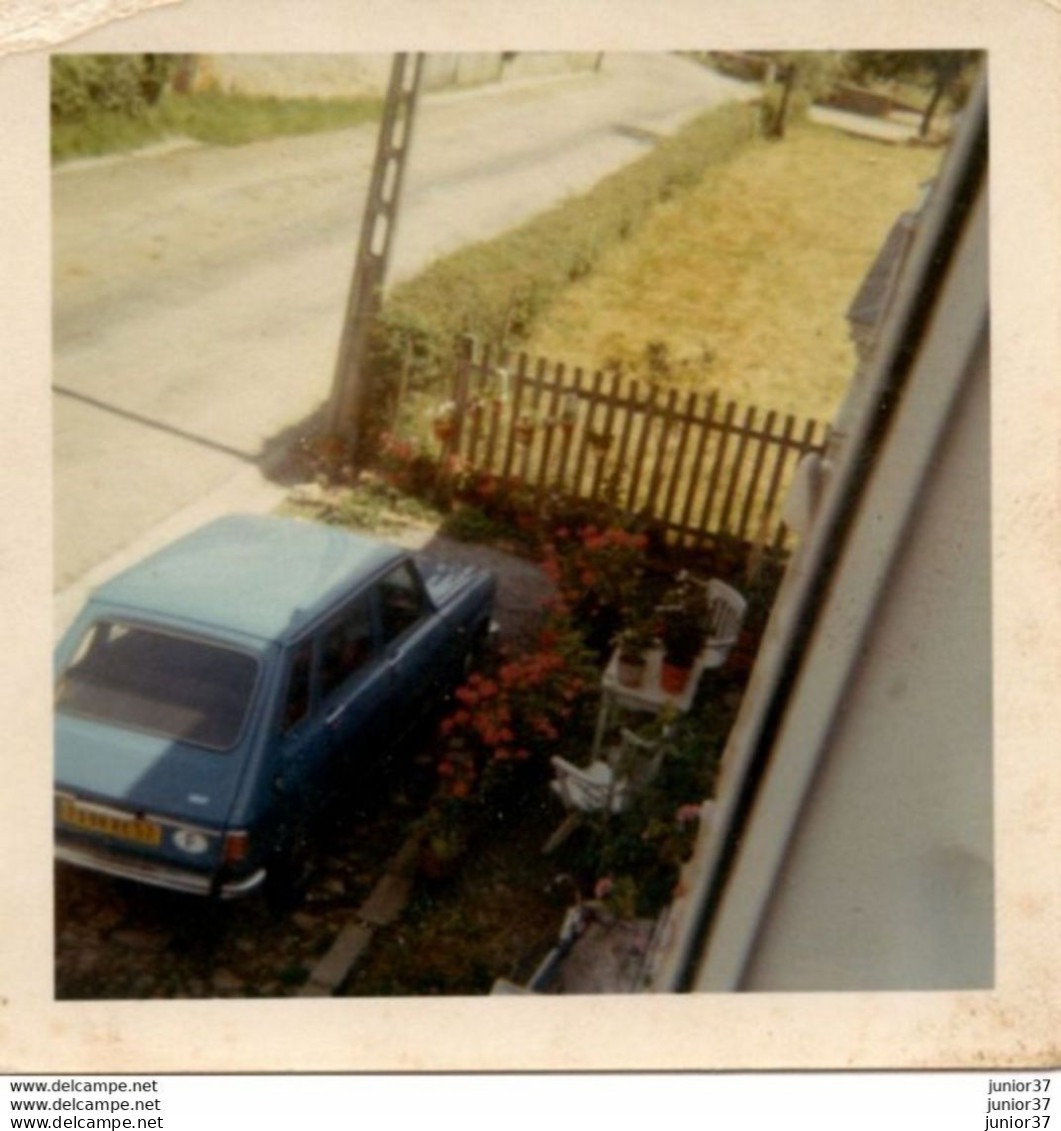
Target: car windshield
[176,686]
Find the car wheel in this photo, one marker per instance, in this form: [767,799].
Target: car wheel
[291,871]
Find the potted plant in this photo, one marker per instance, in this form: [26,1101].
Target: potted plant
[683,632]
[444,421]
[526,426]
[633,644]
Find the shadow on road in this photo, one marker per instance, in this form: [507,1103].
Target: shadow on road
[274,457]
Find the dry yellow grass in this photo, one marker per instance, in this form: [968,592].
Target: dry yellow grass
[748,278]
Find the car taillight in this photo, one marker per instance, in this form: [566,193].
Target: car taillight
[236,847]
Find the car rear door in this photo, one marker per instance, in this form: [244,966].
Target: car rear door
[417,643]
[353,684]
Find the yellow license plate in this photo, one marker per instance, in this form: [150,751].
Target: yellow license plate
[97,821]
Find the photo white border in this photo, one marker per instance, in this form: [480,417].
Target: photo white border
[1016,1024]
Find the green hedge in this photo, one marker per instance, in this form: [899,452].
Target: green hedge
[120,84]
[498,289]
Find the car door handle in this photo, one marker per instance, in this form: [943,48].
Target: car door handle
[336,713]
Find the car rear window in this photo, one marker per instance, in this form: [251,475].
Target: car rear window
[175,686]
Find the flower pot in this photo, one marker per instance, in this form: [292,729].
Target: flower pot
[631,669]
[674,678]
[438,861]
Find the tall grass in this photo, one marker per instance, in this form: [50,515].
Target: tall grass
[211,118]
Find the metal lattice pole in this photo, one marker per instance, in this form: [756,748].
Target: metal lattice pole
[377,235]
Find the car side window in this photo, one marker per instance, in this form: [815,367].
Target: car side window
[346,646]
[401,601]
[296,705]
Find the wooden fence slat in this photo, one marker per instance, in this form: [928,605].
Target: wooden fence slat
[716,471]
[529,436]
[806,444]
[666,424]
[496,407]
[647,421]
[611,402]
[757,470]
[782,449]
[459,396]
[628,423]
[738,464]
[698,463]
[572,407]
[587,432]
[549,427]
[514,413]
[476,407]
[684,421]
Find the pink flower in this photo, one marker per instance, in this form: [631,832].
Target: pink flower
[687,814]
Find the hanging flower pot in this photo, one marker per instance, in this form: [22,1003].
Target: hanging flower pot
[444,422]
[525,429]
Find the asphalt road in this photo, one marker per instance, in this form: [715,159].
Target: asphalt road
[199,292]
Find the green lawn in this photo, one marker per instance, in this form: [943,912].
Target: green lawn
[743,283]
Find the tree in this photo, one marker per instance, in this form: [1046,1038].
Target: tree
[810,73]
[948,72]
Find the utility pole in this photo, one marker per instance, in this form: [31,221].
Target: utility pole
[374,246]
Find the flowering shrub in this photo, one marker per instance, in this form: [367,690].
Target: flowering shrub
[642,860]
[513,716]
[405,466]
[598,572]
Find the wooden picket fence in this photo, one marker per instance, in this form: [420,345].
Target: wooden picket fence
[698,467]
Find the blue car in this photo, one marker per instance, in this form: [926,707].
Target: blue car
[210,698]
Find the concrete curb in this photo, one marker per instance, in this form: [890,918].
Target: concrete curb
[385,903]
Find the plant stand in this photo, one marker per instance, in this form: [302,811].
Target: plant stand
[649,698]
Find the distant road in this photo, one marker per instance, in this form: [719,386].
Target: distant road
[199,292]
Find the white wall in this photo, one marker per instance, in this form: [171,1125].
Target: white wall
[344,76]
[887,881]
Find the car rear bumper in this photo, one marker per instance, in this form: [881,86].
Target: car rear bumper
[157,875]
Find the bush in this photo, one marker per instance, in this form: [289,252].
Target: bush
[118,84]
[110,103]
[499,289]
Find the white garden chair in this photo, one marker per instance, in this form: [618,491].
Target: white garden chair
[725,615]
[605,785]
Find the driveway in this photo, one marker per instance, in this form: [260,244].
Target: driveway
[199,292]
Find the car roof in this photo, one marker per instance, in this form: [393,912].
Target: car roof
[261,576]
